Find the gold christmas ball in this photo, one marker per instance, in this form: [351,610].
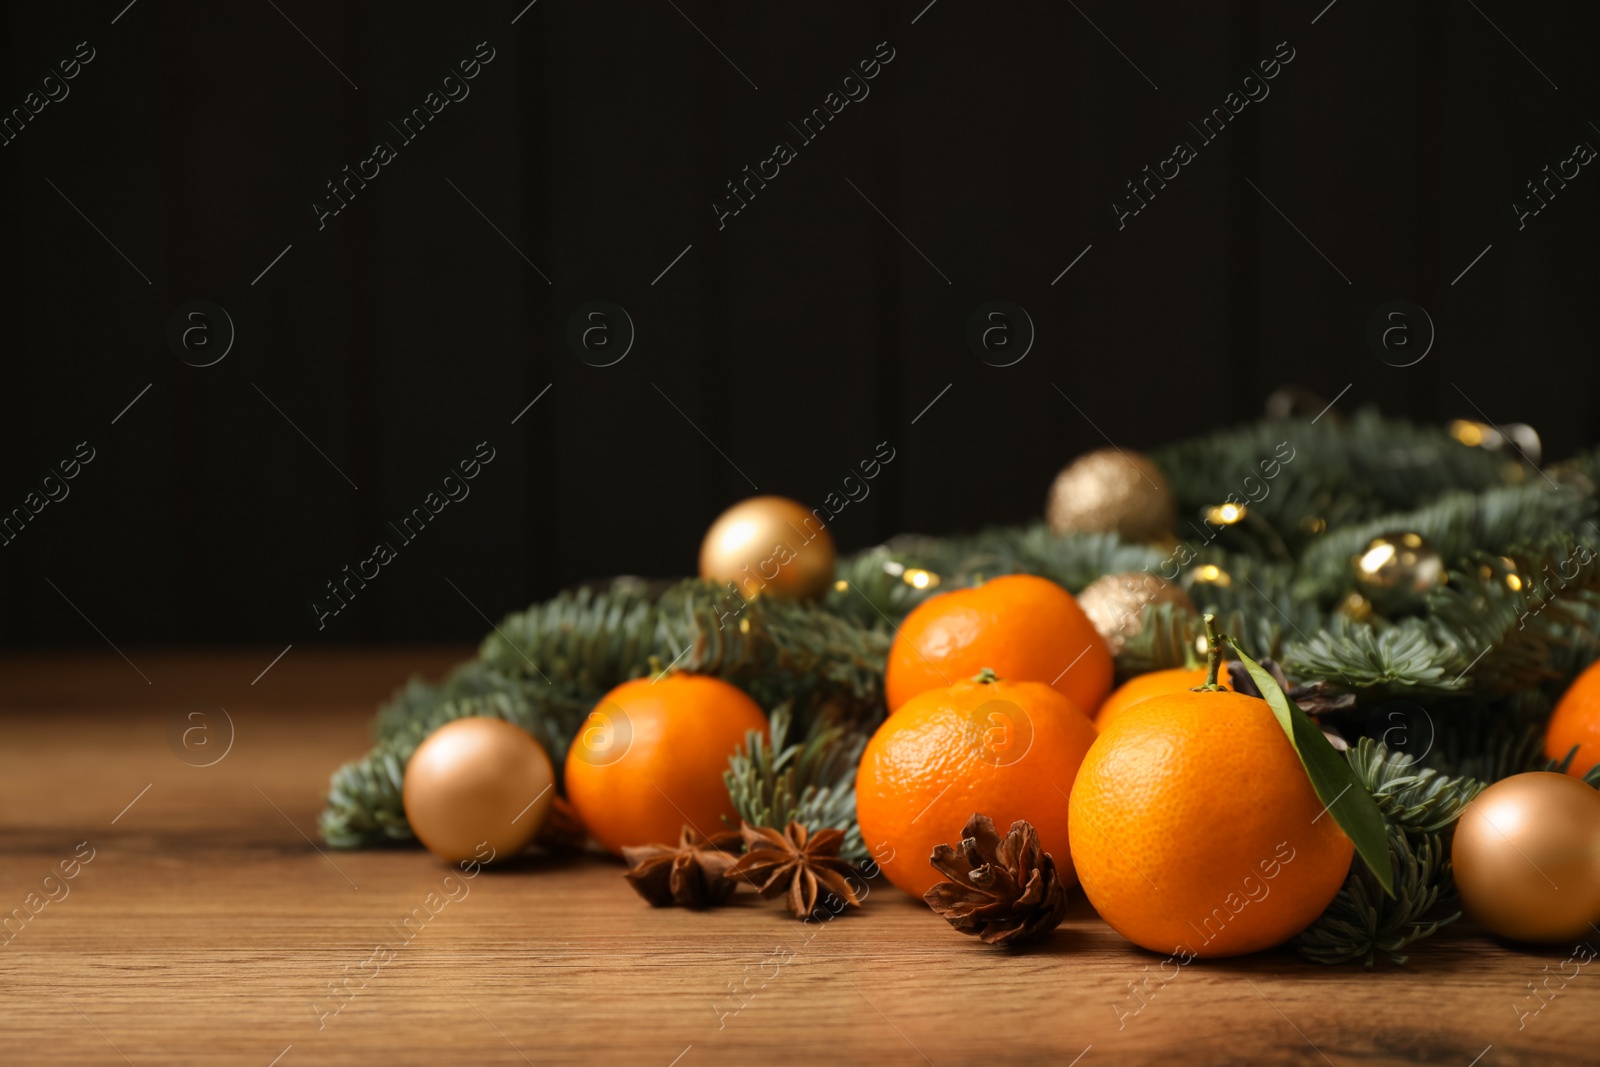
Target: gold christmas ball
[770,546]
[478,784]
[1402,561]
[1115,603]
[1112,491]
[1527,857]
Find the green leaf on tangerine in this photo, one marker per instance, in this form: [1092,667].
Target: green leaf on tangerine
[1335,782]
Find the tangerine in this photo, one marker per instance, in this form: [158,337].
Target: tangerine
[1008,750]
[1025,628]
[1144,686]
[1195,829]
[649,758]
[1576,721]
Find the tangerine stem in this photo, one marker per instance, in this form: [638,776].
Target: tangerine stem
[1214,642]
[986,676]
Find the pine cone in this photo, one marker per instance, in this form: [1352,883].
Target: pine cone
[690,874]
[796,862]
[1006,892]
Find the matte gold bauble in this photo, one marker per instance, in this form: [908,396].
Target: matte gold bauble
[1115,603]
[478,782]
[1527,857]
[1402,560]
[769,546]
[1112,491]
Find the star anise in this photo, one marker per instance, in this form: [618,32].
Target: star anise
[796,862]
[691,874]
[1004,891]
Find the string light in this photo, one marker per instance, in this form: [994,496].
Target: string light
[1356,607]
[1226,514]
[1522,438]
[1473,434]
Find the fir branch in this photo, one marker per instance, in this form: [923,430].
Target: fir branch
[1419,805]
[1490,740]
[1362,923]
[1338,475]
[417,699]
[1259,595]
[589,639]
[811,781]
[1166,638]
[1071,560]
[1581,471]
[1458,524]
[545,668]
[1401,657]
[1419,800]
[1477,633]
[872,586]
[1522,618]
[804,655]
[365,804]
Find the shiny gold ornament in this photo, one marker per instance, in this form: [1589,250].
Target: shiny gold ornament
[770,546]
[1527,857]
[1115,603]
[1112,491]
[478,784]
[1402,560]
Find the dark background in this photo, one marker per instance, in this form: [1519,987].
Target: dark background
[797,338]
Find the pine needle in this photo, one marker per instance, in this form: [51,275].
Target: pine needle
[811,781]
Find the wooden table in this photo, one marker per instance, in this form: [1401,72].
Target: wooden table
[208,927]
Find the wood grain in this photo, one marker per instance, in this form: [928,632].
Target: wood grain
[208,924]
